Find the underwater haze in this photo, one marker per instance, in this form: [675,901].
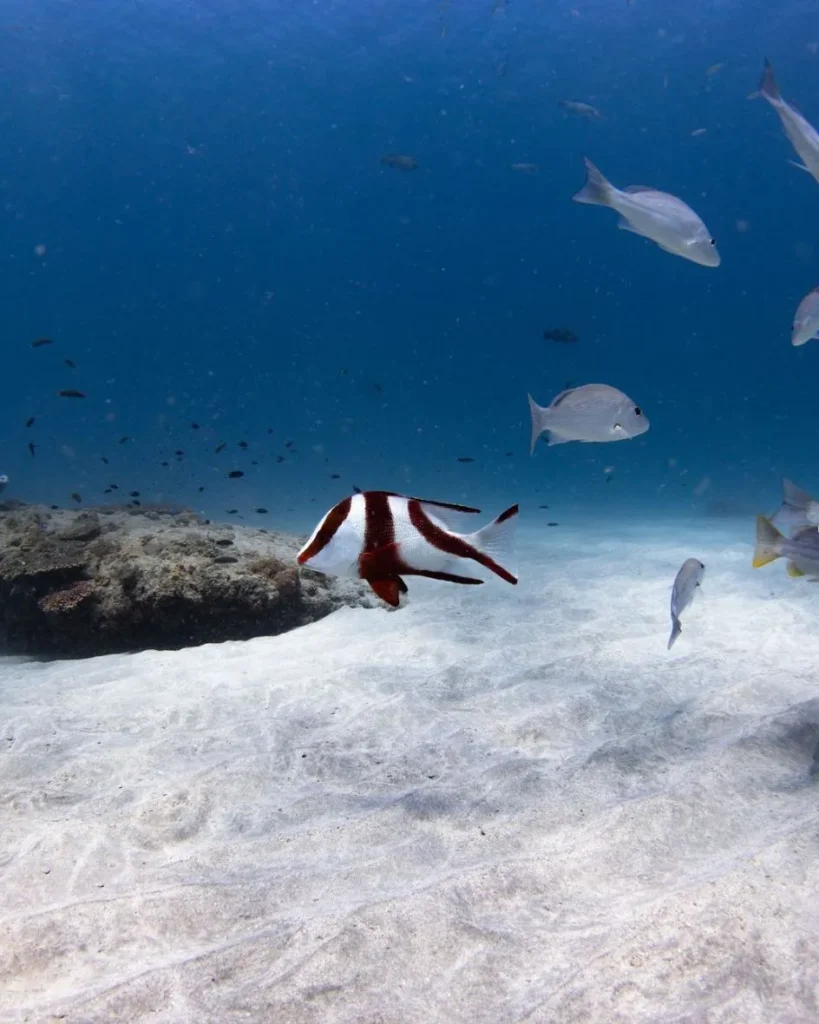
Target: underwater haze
[259,256]
[197,214]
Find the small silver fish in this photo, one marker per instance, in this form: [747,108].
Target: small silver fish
[798,507]
[806,319]
[525,168]
[682,593]
[801,550]
[804,137]
[582,109]
[593,412]
[658,216]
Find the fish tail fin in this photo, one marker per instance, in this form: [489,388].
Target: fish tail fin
[540,419]
[597,189]
[495,543]
[768,87]
[795,500]
[768,542]
[676,629]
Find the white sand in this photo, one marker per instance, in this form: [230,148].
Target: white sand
[495,805]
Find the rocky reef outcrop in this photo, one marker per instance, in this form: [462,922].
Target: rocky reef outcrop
[113,579]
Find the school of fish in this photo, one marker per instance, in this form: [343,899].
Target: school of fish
[381,537]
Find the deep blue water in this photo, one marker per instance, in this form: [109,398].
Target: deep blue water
[223,246]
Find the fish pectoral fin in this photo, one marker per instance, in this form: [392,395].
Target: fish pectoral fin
[389,589]
[794,571]
[624,225]
[556,439]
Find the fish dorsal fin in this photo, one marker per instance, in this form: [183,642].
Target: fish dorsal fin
[445,504]
[794,571]
[555,402]
[634,189]
[454,517]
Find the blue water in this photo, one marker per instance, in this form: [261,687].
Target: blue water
[223,246]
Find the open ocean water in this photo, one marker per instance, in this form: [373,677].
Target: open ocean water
[276,252]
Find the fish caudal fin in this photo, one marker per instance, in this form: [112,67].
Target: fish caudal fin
[676,629]
[768,541]
[540,417]
[768,86]
[597,190]
[496,543]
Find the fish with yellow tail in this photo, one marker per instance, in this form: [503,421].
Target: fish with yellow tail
[801,550]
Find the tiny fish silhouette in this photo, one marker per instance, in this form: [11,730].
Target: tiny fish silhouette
[262,511]
[243,444]
[30,421]
[235,474]
[220,448]
[31,449]
[70,393]
[76,497]
[465,458]
[122,440]
[39,342]
[400,161]
[560,334]
[70,363]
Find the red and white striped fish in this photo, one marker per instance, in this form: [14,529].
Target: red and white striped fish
[381,537]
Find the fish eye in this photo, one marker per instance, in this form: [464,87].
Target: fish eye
[712,241]
[638,411]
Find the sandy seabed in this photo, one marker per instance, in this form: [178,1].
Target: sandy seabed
[496,805]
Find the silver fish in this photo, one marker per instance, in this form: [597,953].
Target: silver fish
[682,593]
[582,109]
[806,320]
[658,216]
[798,507]
[801,550]
[593,412]
[804,137]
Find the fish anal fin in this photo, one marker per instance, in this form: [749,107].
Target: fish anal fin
[447,577]
[801,167]
[556,439]
[794,571]
[624,225]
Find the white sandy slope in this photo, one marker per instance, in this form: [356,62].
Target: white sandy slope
[495,805]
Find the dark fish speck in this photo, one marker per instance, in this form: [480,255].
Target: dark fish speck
[134,494]
[76,497]
[560,334]
[243,444]
[122,440]
[70,393]
[225,559]
[70,363]
[553,524]
[30,421]
[224,542]
[31,448]
[335,476]
[220,448]
[465,458]
[262,511]
[39,342]
[194,426]
[235,474]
